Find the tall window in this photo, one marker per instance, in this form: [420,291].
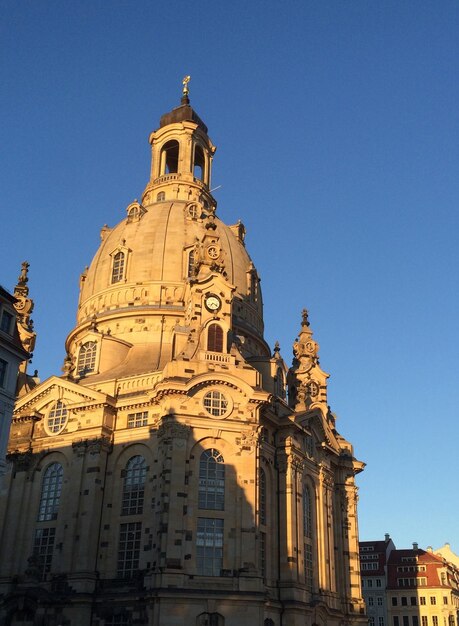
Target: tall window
[307,532]
[209,546]
[307,513]
[43,546]
[263,554]
[3,368]
[129,549]
[190,268]
[6,321]
[134,486]
[118,267]
[198,166]
[215,338]
[50,493]
[262,478]
[87,358]
[211,480]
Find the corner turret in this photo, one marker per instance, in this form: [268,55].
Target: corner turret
[307,382]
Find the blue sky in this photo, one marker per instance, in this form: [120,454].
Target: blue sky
[337,126]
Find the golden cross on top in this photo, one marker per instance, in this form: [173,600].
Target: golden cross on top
[185,82]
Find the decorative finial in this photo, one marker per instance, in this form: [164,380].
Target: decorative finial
[185,90]
[304,315]
[23,278]
[276,347]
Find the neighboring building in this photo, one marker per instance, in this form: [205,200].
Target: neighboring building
[16,343]
[373,568]
[446,553]
[166,478]
[422,590]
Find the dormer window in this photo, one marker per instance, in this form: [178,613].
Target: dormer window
[118,267]
[170,157]
[87,358]
[215,338]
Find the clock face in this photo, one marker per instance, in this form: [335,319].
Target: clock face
[213,302]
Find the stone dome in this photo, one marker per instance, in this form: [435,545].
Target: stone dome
[157,244]
[144,300]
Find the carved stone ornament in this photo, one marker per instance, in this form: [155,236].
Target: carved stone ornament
[193,210]
[22,461]
[170,429]
[247,441]
[91,446]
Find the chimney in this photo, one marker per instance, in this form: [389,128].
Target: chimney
[415,545]
[386,537]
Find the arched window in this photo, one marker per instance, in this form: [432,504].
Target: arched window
[118,267]
[161,196]
[134,486]
[87,358]
[134,213]
[210,619]
[215,338]
[307,532]
[262,478]
[50,493]
[170,157]
[198,165]
[211,480]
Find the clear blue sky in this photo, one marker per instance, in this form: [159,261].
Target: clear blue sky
[337,126]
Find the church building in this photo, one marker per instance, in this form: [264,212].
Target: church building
[178,473]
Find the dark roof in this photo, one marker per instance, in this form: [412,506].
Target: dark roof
[378,546]
[182,113]
[422,556]
[7,295]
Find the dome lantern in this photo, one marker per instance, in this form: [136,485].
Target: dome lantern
[182,155]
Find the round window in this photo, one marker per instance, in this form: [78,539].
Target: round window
[57,418]
[215,403]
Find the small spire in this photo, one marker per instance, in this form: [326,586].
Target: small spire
[305,317]
[185,90]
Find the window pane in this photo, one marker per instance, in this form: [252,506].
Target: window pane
[215,338]
[57,417]
[118,267]
[43,546]
[50,493]
[215,403]
[209,546]
[129,549]
[87,358]
[211,481]
[134,486]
